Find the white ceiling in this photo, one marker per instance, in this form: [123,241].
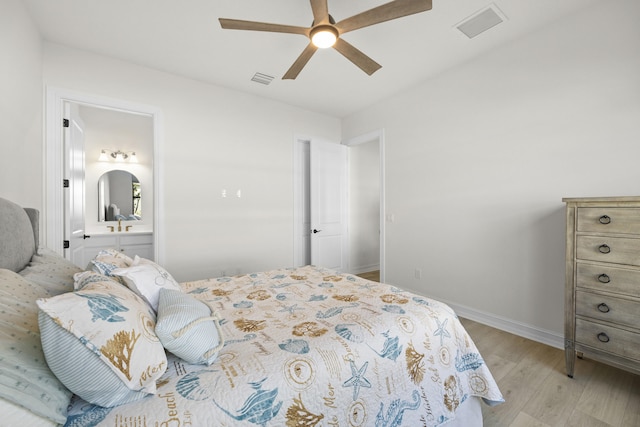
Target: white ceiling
[185,38]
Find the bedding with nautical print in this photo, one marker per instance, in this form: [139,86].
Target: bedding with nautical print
[311,347]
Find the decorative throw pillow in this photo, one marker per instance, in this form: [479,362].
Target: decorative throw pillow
[108,260]
[100,343]
[25,378]
[84,278]
[188,328]
[50,271]
[146,278]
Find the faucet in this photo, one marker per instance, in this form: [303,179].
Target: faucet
[119,225]
[128,227]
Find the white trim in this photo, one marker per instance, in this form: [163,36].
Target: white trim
[53,195]
[364,268]
[361,139]
[520,329]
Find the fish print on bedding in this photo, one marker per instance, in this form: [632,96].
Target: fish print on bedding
[312,347]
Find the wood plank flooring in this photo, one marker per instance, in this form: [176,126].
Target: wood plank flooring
[538,392]
[370,275]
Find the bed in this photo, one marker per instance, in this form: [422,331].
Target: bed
[289,347]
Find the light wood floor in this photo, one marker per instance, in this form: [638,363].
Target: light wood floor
[538,392]
[370,275]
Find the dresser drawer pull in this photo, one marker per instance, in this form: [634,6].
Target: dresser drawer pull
[602,337]
[603,308]
[604,219]
[604,278]
[604,249]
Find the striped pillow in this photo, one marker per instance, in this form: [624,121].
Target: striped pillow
[188,328]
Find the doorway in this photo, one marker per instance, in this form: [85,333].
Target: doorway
[367,202]
[54,215]
[302,209]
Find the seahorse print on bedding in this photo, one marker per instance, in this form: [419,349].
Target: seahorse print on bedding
[259,408]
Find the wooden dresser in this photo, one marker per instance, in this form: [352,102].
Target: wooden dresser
[602,290]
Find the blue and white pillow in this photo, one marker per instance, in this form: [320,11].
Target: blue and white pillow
[100,343]
[188,328]
[108,260]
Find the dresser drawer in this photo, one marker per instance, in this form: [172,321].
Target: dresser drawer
[609,220]
[617,250]
[607,338]
[616,310]
[608,279]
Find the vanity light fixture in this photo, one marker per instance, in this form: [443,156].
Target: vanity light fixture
[118,156]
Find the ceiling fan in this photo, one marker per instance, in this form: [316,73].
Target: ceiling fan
[324,32]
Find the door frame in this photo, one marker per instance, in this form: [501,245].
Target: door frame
[53,203]
[298,194]
[363,139]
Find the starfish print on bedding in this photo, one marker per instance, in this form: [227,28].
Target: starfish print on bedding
[357,379]
[441,331]
[291,309]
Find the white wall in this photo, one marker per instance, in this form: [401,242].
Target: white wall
[215,138]
[479,158]
[20,106]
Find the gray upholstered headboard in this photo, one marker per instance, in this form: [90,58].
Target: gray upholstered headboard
[19,235]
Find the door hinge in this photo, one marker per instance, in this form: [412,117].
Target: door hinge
[65,183]
[65,123]
[65,244]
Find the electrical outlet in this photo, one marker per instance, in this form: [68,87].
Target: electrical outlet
[417,273]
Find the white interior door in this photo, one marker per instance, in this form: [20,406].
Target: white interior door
[74,194]
[329,205]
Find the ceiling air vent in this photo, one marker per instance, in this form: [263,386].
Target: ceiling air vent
[481,21]
[262,78]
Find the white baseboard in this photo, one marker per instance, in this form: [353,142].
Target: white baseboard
[526,331]
[364,269]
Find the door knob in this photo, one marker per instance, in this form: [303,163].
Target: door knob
[314,231]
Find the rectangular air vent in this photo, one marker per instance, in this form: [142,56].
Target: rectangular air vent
[481,21]
[262,78]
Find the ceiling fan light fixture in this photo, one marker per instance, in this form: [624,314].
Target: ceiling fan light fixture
[324,36]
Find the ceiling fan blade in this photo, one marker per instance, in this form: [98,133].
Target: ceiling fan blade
[299,64]
[354,55]
[320,12]
[237,24]
[385,12]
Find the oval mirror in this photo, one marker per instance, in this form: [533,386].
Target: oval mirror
[119,196]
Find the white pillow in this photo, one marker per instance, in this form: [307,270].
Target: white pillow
[188,328]
[146,278]
[100,343]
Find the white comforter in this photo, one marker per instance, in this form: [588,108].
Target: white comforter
[310,347]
